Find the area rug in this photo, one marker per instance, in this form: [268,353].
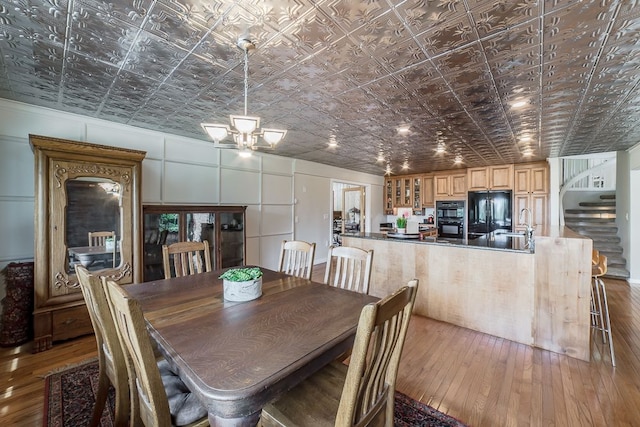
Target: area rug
[70,397]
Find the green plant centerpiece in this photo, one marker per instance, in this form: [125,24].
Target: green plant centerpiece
[401,224]
[242,284]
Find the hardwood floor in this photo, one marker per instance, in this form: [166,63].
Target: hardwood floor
[477,378]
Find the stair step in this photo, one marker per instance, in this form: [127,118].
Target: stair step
[617,273]
[578,213]
[592,228]
[611,209]
[598,204]
[610,251]
[608,196]
[602,238]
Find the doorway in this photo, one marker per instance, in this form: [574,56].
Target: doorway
[348,208]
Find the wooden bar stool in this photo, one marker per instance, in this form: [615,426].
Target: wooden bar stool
[599,306]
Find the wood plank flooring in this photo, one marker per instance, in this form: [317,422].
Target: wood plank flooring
[477,378]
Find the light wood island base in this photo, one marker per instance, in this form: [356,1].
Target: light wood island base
[539,299]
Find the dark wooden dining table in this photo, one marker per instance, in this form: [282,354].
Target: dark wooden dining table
[238,356]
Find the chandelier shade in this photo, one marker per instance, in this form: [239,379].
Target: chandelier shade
[245,130]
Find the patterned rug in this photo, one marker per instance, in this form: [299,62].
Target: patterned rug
[70,396]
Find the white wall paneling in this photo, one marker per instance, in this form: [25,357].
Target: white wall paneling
[253,251]
[19,120]
[187,183]
[16,167]
[277,165]
[276,219]
[270,250]
[231,159]
[16,228]
[115,135]
[239,187]
[313,224]
[277,189]
[151,181]
[188,151]
[252,218]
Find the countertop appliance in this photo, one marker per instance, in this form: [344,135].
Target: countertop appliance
[450,218]
[488,211]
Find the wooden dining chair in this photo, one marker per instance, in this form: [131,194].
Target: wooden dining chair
[187,258]
[363,393]
[349,268]
[99,238]
[111,358]
[296,258]
[159,398]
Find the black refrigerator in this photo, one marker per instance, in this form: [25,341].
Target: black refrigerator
[488,211]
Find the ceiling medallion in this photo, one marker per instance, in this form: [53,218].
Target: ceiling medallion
[245,131]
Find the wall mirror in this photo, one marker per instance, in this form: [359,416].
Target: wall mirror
[353,210]
[93,223]
[81,188]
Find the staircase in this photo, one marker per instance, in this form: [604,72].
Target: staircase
[597,220]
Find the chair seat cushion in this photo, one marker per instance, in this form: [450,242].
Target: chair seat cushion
[314,402]
[184,406]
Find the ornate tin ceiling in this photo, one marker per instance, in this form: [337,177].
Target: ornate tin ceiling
[354,71]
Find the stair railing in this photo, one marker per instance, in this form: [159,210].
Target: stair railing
[571,182]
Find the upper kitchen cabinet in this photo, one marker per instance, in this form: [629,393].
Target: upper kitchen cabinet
[531,191]
[531,178]
[490,178]
[388,196]
[81,188]
[427,191]
[221,226]
[450,185]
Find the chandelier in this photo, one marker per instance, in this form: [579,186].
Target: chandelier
[245,131]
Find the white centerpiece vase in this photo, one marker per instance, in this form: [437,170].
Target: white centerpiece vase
[242,291]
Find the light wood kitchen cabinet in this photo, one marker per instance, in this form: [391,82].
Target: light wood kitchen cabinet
[490,178]
[81,188]
[388,196]
[416,201]
[427,191]
[450,185]
[531,191]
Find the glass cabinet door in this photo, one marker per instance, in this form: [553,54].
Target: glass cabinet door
[221,226]
[231,239]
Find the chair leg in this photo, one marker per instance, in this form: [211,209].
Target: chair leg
[101,398]
[123,406]
[607,325]
[599,312]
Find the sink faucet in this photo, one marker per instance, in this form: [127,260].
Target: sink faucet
[529,225]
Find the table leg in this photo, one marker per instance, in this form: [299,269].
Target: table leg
[248,421]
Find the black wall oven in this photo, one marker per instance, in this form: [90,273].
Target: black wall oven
[450,218]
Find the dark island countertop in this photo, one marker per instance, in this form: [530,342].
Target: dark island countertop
[496,240]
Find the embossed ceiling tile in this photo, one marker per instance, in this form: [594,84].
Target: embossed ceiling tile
[202,13]
[349,15]
[453,33]
[380,35]
[404,54]
[457,64]
[420,15]
[107,41]
[153,57]
[130,12]
[314,30]
[366,71]
[174,23]
[495,16]
[34,22]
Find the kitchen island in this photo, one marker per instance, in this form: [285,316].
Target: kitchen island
[536,293]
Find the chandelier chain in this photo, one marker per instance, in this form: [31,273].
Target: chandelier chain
[246,78]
